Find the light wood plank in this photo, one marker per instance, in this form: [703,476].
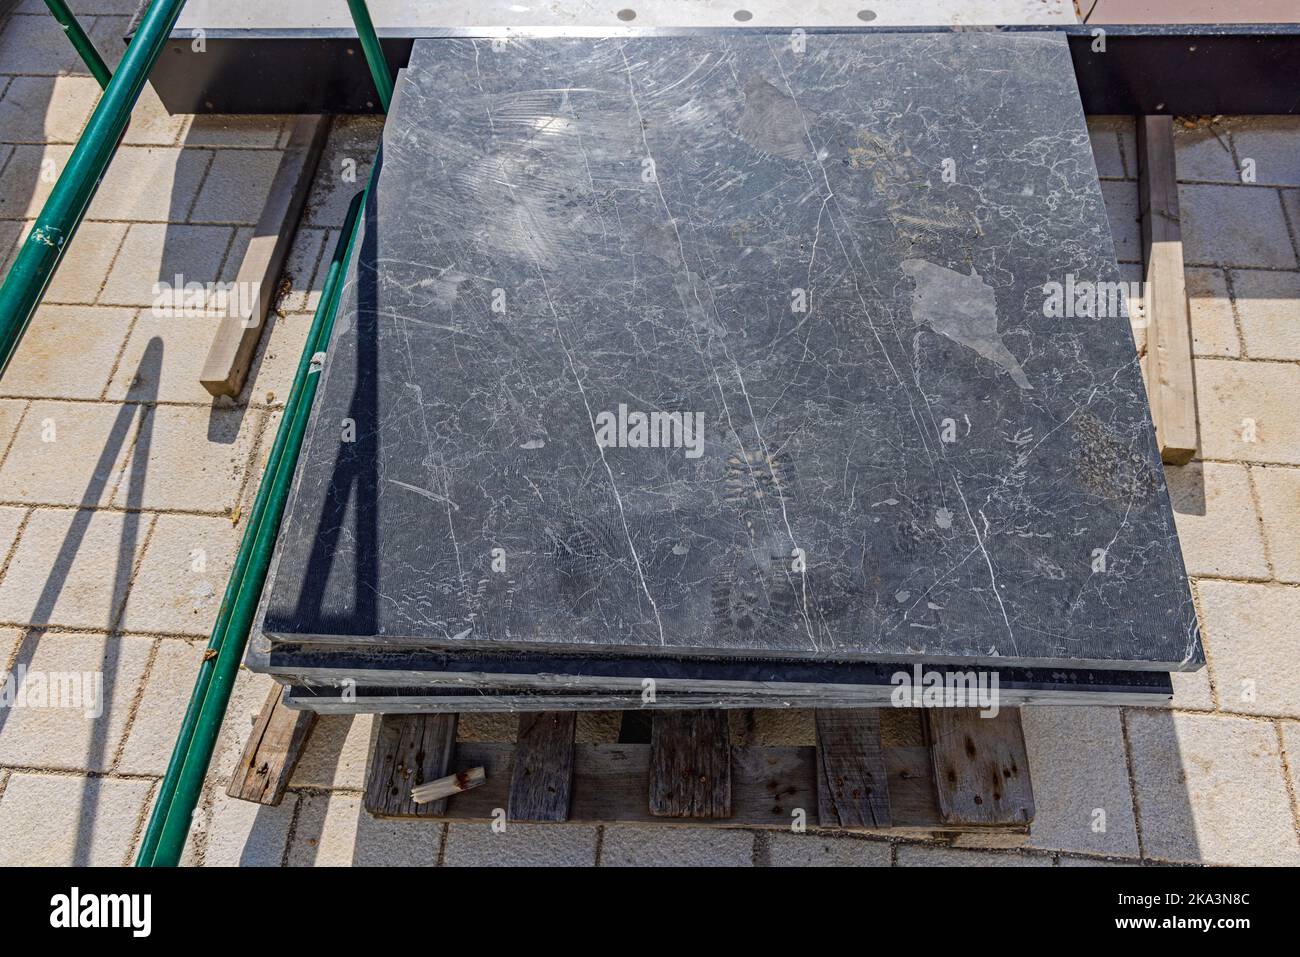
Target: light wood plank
[449,786]
[237,335]
[1171,389]
[542,779]
[690,773]
[851,776]
[410,749]
[981,768]
[274,746]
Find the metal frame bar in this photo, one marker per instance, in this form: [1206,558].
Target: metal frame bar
[89,55]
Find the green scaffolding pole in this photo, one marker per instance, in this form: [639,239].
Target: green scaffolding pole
[98,68]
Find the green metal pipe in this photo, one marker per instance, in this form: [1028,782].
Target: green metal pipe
[170,821]
[63,211]
[374,53]
[98,68]
[315,342]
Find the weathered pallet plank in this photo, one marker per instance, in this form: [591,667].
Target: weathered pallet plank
[981,768]
[772,787]
[542,779]
[690,770]
[274,746]
[410,749]
[237,335]
[1172,387]
[851,787]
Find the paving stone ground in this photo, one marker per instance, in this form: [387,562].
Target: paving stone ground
[124,490]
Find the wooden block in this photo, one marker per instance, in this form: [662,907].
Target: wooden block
[272,751]
[690,764]
[542,779]
[852,786]
[235,340]
[411,749]
[981,769]
[449,786]
[1169,331]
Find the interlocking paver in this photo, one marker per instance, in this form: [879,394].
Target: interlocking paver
[923,855]
[28,178]
[1205,154]
[163,359]
[151,124]
[1247,410]
[72,567]
[236,186]
[334,830]
[238,833]
[154,255]
[38,46]
[1210,789]
[520,845]
[155,183]
[337,753]
[1104,132]
[196,459]
[11,519]
[631,846]
[808,850]
[182,576]
[1080,781]
[56,820]
[158,717]
[68,453]
[1214,328]
[1279,503]
[80,689]
[42,109]
[1234,226]
[235,131]
[84,268]
[1269,306]
[1122,209]
[1271,142]
[67,352]
[1256,659]
[1217,526]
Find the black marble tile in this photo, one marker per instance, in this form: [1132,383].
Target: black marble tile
[823,273]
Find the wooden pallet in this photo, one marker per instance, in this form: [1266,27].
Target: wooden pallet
[969,781]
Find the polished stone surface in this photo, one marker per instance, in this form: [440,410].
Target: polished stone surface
[822,271]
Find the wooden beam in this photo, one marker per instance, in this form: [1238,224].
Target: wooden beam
[411,749]
[277,741]
[237,335]
[981,768]
[1171,384]
[852,790]
[690,765]
[542,779]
